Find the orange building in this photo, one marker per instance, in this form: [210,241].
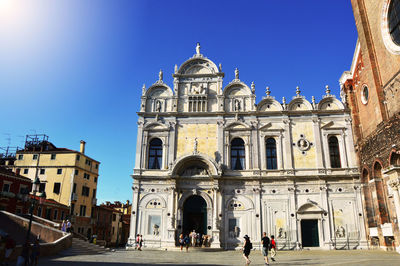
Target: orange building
[371,90]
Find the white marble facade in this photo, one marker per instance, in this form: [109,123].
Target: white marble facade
[296,194]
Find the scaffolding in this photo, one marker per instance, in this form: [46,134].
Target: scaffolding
[36,142]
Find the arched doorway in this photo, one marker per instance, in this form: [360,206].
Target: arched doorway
[195,215]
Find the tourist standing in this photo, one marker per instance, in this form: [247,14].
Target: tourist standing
[68,226]
[187,242]
[181,241]
[266,245]
[63,226]
[273,248]
[247,246]
[193,237]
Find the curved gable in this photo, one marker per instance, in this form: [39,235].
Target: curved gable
[237,88]
[330,103]
[299,104]
[198,65]
[269,105]
[159,90]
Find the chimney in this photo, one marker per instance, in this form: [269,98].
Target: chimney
[82,147]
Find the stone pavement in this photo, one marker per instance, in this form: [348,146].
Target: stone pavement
[204,258]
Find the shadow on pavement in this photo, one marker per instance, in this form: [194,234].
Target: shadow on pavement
[82,263]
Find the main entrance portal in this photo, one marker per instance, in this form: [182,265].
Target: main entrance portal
[195,215]
[309,233]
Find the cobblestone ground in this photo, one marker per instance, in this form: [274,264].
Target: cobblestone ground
[149,257]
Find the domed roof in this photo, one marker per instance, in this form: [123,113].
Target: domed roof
[198,64]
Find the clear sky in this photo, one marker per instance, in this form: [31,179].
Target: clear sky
[74,69]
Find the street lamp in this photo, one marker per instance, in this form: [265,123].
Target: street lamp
[42,196]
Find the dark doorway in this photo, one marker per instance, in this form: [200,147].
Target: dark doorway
[309,233]
[195,215]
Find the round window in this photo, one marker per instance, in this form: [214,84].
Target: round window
[364,94]
[390,25]
[394,21]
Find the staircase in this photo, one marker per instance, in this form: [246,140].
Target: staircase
[81,247]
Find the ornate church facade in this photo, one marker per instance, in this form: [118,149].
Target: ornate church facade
[211,159]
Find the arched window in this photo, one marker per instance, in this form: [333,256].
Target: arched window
[334,153]
[270,144]
[237,154]
[155,154]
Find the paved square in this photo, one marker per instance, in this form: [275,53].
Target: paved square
[151,257]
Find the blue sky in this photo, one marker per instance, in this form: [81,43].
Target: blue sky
[74,69]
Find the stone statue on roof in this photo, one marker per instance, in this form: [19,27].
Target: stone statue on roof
[198,48]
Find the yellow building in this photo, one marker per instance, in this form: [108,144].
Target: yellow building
[67,176]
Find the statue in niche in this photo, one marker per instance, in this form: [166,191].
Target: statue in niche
[158,106]
[340,232]
[156,229]
[237,105]
[281,233]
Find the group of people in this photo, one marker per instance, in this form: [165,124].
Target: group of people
[193,239]
[267,245]
[66,226]
[29,253]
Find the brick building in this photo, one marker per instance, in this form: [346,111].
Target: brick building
[13,191]
[371,90]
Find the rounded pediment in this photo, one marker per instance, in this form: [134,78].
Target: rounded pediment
[159,90]
[198,65]
[195,164]
[269,105]
[330,103]
[299,104]
[237,89]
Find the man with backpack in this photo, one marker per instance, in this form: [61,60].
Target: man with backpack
[266,245]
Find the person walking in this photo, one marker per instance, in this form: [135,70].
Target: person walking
[265,246]
[273,248]
[181,241]
[187,242]
[35,252]
[63,226]
[140,242]
[68,226]
[247,246]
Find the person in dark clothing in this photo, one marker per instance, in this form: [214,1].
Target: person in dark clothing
[265,242]
[186,240]
[247,246]
[35,253]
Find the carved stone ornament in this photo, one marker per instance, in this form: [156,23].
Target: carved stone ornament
[303,144]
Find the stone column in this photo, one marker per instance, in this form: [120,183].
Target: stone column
[318,142]
[171,143]
[395,185]
[326,223]
[134,214]
[360,221]
[215,230]
[343,150]
[255,162]
[139,144]
[288,161]
[294,223]
[171,217]
[143,160]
